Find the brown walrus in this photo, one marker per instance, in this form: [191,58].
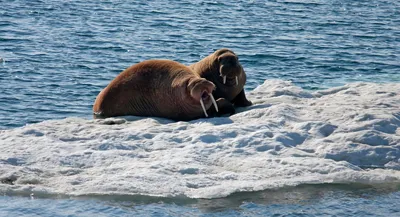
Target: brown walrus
[160,88]
[224,70]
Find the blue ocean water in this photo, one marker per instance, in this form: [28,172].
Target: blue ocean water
[57,55]
[323,200]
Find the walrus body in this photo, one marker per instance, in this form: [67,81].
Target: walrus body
[159,88]
[224,70]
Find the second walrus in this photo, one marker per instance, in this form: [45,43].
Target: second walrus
[223,69]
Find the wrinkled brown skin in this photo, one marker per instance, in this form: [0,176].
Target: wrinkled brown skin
[213,67]
[158,88]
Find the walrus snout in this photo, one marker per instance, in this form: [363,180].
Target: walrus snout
[232,73]
[229,67]
[202,89]
[201,92]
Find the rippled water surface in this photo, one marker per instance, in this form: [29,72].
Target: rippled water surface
[325,200]
[57,55]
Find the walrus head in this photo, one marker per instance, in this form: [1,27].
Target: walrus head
[229,66]
[201,93]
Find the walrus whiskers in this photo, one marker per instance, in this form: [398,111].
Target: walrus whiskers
[213,101]
[204,108]
[237,81]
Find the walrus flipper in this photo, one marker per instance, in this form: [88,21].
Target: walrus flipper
[99,115]
[224,107]
[241,101]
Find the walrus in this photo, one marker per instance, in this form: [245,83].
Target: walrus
[223,69]
[158,88]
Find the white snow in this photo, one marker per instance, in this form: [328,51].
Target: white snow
[348,134]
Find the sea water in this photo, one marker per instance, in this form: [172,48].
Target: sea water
[322,137]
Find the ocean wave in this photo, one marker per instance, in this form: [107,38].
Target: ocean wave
[289,137]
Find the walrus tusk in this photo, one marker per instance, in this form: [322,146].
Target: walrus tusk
[204,108]
[237,81]
[213,101]
[224,78]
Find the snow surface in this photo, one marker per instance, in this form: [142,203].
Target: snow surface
[348,134]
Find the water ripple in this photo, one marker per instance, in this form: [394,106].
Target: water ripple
[68,51]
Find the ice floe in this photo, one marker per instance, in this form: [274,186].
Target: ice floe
[290,136]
